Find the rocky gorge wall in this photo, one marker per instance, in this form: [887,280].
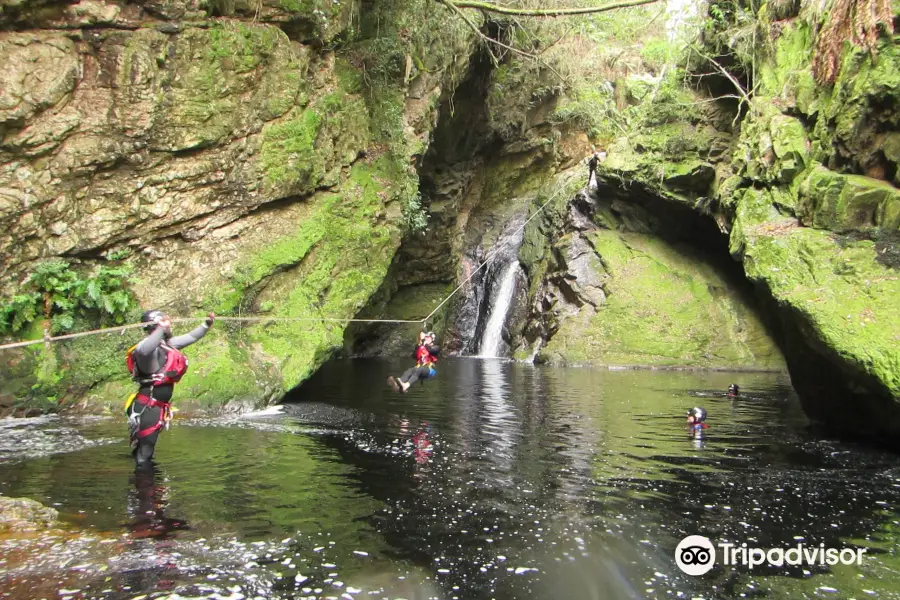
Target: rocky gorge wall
[806,194]
[794,180]
[267,158]
[602,281]
[243,156]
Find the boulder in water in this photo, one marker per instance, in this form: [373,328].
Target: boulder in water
[23,514]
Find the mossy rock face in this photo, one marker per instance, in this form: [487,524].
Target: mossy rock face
[788,76]
[852,117]
[844,203]
[330,267]
[207,85]
[773,148]
[822,242]
[841,317]
[411,303]
[306,150]
[675,160]
[250,156]
[666,307]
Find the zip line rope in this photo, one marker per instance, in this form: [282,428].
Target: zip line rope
[491,257]
[122,328]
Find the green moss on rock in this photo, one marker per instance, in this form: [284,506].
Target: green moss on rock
[666,307]
[308,148]
[843,203]
[329,267]
[846,298]
[205,86]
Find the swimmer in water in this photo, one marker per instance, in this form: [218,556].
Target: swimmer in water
[734,390]
[696,420]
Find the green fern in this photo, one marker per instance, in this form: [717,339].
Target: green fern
[64,295]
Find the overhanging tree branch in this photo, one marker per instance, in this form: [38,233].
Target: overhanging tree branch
[452,6]
[542,12]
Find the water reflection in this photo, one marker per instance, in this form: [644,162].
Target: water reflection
[147,505]
[493,480]
[499,424]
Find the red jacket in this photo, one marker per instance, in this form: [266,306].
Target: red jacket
[423,356]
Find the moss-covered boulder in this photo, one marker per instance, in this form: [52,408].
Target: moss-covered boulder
[24,514]
[844,203]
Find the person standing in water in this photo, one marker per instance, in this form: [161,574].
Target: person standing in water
[426,356]
[156,364]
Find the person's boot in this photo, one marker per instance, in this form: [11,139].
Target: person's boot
[404,386]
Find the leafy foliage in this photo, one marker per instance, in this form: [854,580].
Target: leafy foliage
[60,293]
[732,34]
[415,219]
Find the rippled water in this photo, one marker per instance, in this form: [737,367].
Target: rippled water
[494,480]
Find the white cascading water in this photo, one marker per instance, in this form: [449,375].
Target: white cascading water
[493,331]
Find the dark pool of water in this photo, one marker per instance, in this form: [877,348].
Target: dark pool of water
[494,480]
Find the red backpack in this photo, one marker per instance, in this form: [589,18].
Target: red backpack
[172,372]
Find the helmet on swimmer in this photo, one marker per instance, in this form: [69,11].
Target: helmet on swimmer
[698,413]
[734,389]
[150,318]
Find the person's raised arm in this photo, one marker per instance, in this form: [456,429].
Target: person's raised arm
[181,341]
[147,346]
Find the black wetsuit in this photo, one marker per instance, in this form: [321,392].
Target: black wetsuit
[150,357]
[592,167]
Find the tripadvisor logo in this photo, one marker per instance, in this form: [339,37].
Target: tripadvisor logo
[695,555]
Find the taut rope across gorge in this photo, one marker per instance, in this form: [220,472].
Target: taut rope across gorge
[119,328]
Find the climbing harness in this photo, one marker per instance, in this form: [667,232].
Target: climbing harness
[134,417]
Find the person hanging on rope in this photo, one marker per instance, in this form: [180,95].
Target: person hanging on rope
[426,356]
[157,364]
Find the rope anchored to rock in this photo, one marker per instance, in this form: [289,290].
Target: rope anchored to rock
[47,339]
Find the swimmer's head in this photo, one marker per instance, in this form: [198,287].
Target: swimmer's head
[696,415]
[733,389]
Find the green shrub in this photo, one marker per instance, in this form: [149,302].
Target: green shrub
[57,292]
[415,219]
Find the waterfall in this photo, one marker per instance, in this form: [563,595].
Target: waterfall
[493,330]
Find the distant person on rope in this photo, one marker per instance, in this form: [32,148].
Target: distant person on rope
[592,167]
[426,356]
[157,364]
